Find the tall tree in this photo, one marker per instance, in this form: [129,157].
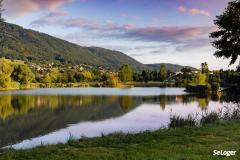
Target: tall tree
[6,69]
[126,73]
[145,75]
[163,73]
[1,10]
[227,38]
[1,27]
[204,68]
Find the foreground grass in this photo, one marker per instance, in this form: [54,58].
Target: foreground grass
[180,143]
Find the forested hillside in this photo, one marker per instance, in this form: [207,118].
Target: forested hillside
[36,47]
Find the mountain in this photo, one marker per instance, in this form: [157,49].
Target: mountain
[33,46]
[169,66]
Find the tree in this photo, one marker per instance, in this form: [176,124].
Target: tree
[201,79]
[6,69]
[1,27]
[111,81]
[126,73]
[186,70]
[22,74]
[47,79]
[145,76]
[227,38]
[53,76]
[204,68]
[187,76]
[71,75]
[1,10]
[87,76]
[163,73]
[84,76]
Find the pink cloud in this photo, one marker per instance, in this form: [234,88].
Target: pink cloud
[17,8]
[182,9]
[194,11]
[57,13]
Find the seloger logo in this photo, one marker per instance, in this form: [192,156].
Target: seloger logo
[224,153]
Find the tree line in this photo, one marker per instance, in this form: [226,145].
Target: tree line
[18,73]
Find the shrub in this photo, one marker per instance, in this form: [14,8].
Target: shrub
[215,87]
[200,89]
[177,121]
[210,118]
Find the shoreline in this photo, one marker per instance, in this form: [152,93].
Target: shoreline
[191,142]
[92,84]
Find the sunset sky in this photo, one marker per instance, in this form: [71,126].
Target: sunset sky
[151,31]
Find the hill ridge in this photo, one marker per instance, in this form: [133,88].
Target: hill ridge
[34,46]
[169,66]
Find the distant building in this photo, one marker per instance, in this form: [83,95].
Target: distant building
[178,73]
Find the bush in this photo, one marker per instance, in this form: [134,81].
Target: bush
[215,87]
[177,121]
[200,89]
[210,118]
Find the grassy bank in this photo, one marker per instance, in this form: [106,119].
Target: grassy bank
[150,84]
[88,84]
[179,143]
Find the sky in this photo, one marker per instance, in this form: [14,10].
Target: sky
[150,31]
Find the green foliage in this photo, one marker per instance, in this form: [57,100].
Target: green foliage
[204,68]
[227,40]
[214,77]
[163,73]
[112,81]
[81,76]
[186,77]
[126,73]
[6,69]
[177,121]
[53,76]
[145,76]
[215,87]
[47,79]
[200,89]
[201,79]
[17,71]
[1,10]
[230,78]
[5,81]
[22,74]
[87,76]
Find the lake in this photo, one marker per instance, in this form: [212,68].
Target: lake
[29,118]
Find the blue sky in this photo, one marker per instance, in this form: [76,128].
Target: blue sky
[151,31]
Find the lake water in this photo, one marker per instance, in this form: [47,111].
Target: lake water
[29,118]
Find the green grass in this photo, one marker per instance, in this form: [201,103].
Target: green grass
[187,143]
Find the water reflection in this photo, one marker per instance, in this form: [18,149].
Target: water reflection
[27,116]
[11,105]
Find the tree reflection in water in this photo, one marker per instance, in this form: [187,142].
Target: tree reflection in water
[27,116]
[126,102]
